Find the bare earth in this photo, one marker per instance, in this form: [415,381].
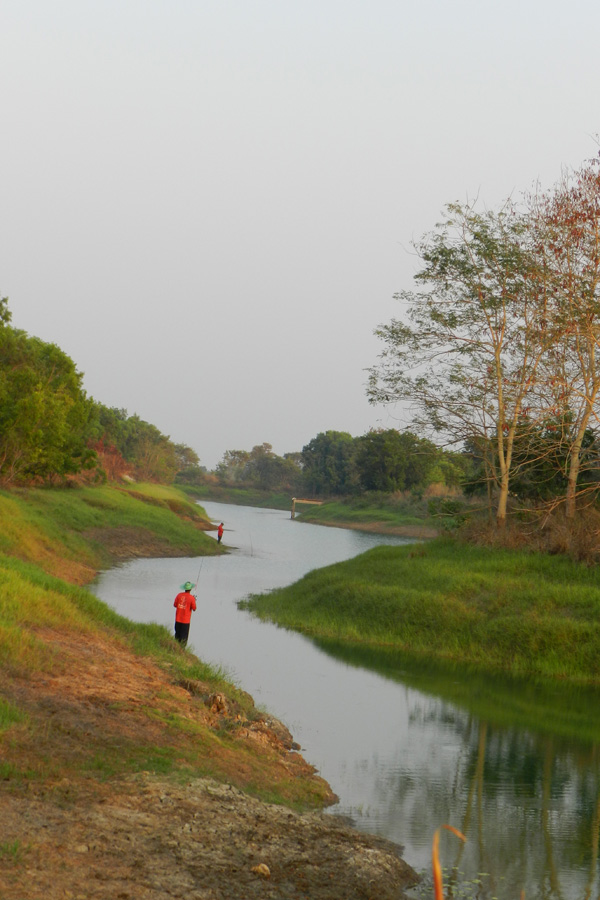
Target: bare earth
[74,834]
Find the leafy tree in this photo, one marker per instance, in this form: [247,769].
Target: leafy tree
[477,336]
[329,464]
[152,452]
[261,468]
[232,467]
[186,457]
[5,313]
[128,445]
[45,416]
[389,460]
[566,227]
[189,469]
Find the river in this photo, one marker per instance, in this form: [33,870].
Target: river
[406,747]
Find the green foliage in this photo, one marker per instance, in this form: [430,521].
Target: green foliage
[10,715]
[523,613]
[45,416]
[335,464]
[329,464]
[50,429]
[12,851]
[260,468]
[394,461]
[129,445]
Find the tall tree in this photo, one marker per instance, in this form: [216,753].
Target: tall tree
[566,227]
[469,355]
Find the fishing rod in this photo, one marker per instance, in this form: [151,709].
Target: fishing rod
[199,572]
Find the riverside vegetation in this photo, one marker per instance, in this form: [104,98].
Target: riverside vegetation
[519,612]
[128,767]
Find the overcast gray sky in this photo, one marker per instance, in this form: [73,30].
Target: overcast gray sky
[208,204]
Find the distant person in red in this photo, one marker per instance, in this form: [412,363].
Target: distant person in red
[220,531]
[184,604]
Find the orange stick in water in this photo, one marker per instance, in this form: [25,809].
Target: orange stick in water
[438,888]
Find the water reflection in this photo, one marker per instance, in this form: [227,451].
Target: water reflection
[407,746]
[513,764]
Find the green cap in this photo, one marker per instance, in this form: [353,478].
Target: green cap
[187,586]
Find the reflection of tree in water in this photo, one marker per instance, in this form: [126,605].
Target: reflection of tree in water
[530,811]
[529,803]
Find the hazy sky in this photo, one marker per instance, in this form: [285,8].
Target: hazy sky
[208,204]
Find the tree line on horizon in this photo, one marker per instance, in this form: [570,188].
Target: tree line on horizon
[51,432]
[336,464]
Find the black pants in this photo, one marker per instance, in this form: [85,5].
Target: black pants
[182,630]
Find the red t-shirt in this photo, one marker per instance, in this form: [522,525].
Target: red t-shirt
[184,604]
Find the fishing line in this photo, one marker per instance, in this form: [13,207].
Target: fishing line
[199,572]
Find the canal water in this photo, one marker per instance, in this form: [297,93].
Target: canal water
[407,747]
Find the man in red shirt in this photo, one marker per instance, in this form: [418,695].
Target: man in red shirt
[220,530]
[184,604]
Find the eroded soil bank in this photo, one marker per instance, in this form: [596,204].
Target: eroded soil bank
[73,827]
[202,841]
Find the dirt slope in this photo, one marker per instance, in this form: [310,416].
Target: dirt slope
[86,813]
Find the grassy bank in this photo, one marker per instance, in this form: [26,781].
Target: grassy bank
[85,694]
[239,496]
[72,533]
[516,612]
[385,514]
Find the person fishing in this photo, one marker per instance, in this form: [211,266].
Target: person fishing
[185,604]
[220,531]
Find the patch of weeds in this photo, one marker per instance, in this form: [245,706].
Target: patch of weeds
[10,772]
[102,766]
[226,726]
[12,852]
[157,760]
[10,715]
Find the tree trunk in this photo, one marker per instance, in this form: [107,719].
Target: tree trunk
[502,498]
[574,466]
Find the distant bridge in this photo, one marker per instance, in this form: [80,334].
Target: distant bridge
[298,500]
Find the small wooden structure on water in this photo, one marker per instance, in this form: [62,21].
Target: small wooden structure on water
[298,500]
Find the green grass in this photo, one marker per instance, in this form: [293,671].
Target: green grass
[54,603]
[240,496]
[10,715]
[12,851]
[522,613]
[389,511]
[70,532]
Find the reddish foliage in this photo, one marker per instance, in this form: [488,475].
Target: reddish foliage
[111,461]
